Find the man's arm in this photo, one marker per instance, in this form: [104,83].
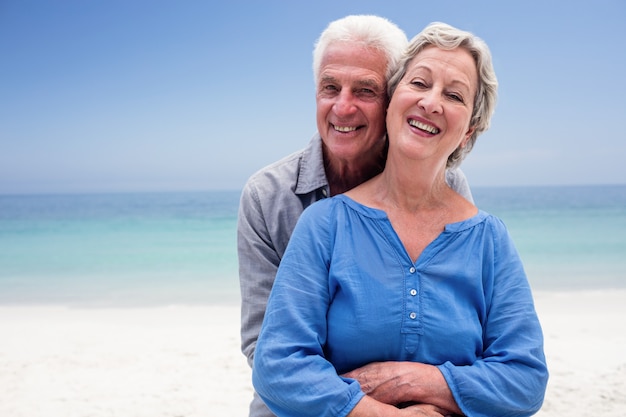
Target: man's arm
[258,263]
[405,382]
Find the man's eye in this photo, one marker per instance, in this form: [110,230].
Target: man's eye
[328,90]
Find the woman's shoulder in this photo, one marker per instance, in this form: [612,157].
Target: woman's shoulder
[349,202]
[480,217]
[338,208]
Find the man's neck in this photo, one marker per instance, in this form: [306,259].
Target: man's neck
[344,175]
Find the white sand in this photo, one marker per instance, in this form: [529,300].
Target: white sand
[185,361]
[585,345]
[152,362]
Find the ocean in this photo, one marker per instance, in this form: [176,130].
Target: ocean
[179,248]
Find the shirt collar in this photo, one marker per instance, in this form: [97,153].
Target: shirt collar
[312,175]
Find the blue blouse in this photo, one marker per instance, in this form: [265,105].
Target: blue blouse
[347,294]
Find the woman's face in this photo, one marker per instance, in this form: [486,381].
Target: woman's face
[430,111]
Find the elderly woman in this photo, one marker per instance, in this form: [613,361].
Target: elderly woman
[403,282]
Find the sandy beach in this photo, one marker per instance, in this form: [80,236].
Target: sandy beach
[185,361]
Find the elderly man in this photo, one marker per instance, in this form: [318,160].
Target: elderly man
[352,61]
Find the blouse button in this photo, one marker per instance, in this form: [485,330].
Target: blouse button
[412,270]
[412,316]
[413,292]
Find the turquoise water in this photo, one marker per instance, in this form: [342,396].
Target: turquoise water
[122,249]
[568,237]
[180,248]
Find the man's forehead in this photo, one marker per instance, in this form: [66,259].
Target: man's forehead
[354,80]
[354,58]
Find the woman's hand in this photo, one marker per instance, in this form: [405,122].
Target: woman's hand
[425,410]
[369,407]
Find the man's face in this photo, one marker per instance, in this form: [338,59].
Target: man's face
[351,100]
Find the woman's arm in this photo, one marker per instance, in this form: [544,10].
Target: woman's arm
[290,371]
[510,375]
[369,407]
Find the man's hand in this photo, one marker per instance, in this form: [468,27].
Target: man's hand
[406,382]
[390,382]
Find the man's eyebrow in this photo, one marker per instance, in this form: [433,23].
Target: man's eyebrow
[366,82]
[328,79]
[373,84]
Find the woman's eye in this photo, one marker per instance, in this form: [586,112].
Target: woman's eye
[456,97]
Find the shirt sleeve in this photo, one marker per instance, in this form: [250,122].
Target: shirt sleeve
[511,375]
[290,370]
[458,182]
[258,263]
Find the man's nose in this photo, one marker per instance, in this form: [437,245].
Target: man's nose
[345,103]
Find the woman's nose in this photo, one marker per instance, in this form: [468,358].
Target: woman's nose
[430,101]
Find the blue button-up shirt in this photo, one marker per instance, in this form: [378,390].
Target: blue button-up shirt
[347,294]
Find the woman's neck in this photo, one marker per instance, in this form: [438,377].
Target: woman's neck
[413,187]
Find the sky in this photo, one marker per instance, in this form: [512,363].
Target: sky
[155,95]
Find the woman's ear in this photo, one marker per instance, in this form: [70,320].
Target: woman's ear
[467,137]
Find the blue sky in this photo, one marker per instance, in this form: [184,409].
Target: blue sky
[143,95]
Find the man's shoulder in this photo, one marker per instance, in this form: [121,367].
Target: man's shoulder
[300,172]
[273,183]
[284,168]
